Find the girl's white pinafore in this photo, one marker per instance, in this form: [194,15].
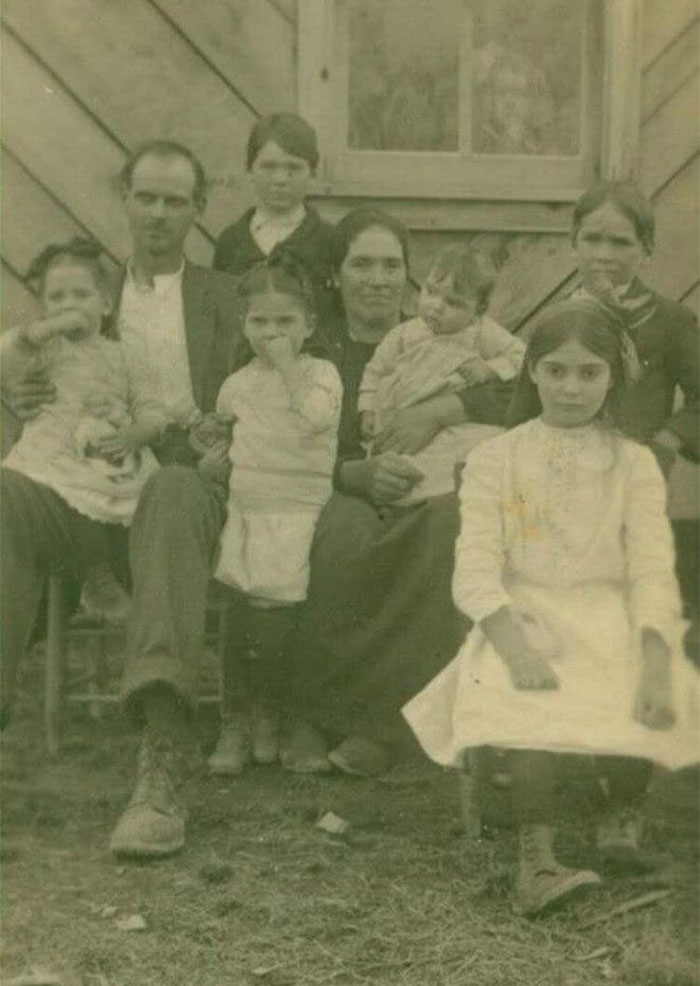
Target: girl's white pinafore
[51,448]
[570,527]
[281,479]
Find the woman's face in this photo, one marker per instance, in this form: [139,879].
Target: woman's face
[607,248]
[572,383]
[372,278]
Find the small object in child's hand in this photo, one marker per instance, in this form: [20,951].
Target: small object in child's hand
[332,824]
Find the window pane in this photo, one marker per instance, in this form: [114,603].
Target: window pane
[526,76]
[403,74]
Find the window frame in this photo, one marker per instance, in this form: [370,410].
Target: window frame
[610,124]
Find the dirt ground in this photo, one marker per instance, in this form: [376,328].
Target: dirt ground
[261,896]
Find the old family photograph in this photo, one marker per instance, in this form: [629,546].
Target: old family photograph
[350,493]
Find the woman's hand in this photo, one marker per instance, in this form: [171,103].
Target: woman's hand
[476,370]
[411,429]
[653,703]
[527,668]
[382,478]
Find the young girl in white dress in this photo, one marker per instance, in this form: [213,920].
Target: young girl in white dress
[565,564]
[90,446]
[284,407]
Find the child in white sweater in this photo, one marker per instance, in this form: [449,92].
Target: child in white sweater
[452,343]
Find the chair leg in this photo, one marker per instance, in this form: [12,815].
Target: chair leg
[55,663]
[471,780]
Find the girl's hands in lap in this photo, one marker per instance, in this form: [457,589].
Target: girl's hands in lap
[215,463]
[528,669]
[653,703]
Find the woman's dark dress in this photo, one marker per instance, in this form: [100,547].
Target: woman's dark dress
[379,621]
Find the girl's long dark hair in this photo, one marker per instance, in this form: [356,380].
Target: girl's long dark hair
[588,322]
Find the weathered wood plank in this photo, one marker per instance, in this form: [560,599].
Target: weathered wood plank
[671,69]
[458,216]
[692,299]
[534,268]
[663,21]
[18,303]
[142,80]
[44,127]
[676,261]
[249,42]
[31,218]
[670,137]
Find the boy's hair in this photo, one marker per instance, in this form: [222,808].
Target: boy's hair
[597,329]
[356,222]
[627,199]
[80,252]
[279,273]
[167,149]
[471,273]
[293,134]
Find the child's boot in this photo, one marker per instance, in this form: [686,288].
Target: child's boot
[232,751]
[265,734]
[543,884]
[104,598]
[618,836]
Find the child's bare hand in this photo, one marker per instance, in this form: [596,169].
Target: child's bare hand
[215,463]
[653,702]
[72,324]
[476,370]
[209,431]
[530,672]
[279,351]
[368,425]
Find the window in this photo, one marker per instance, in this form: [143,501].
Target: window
[455,98]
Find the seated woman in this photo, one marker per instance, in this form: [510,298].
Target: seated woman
[379,620]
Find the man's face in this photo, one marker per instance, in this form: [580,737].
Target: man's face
[160,203]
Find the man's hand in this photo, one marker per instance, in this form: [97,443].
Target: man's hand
[72,323]
[26,397]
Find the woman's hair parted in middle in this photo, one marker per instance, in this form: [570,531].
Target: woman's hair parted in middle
[472,274]
[356,222]
[586,321]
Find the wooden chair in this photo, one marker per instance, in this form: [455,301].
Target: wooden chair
[87,641]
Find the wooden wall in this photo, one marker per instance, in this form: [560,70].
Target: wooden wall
[87,79]
[84,80]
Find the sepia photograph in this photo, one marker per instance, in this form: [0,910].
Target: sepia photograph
[350,493]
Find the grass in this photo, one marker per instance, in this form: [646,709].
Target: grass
[261,896]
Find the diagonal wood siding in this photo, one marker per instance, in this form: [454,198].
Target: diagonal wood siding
[87,79]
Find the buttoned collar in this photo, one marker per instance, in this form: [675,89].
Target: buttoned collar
[162,283]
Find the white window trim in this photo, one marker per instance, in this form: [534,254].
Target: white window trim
[617,137]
